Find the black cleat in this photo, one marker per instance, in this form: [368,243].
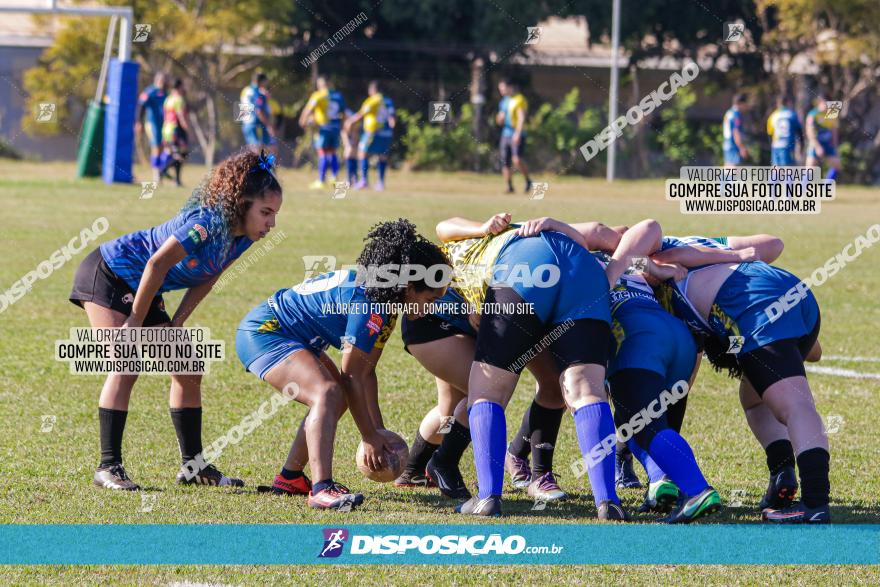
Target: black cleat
[114,477]
[208,476]
[798,513]
[781,490]
[624,475]
[608,510]
[448,479]
[409,479]
[488,506]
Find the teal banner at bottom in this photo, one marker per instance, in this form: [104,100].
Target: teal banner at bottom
[494,544]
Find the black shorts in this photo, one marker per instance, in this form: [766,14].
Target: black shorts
[778,360]
[509,150]
[510,341]
[95,282]
[427,329]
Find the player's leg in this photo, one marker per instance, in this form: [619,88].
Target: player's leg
[381,167]
[777,375]
[448,359]
[538,434]
[320,391]
[112,409]
[292,480]
[185,405]
[364,159]
[773,437]
[517,153]
[506,154]
[833,164]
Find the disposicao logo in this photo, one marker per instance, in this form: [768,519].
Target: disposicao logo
[334,542]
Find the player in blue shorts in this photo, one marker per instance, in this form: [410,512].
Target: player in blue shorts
[326,108]
[121,283]
[547,288]
[654,354]
[256,115]
[379,118]
[735,152]
[822,137]
[761,323]
[784,130]
[335,309]
[150,118]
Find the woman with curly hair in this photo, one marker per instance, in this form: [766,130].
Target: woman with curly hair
[343,310]
[120,284]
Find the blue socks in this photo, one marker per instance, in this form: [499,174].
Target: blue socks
[365,168]
[382,165]
[675,457]
[489,438]
[655,473]
[351,169]
[597,438]
[154,161]
[334,164]
[322,167]
[832,173]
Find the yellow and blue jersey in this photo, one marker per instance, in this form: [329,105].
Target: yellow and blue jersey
[732,121]
[174,110]
[513,108]
[377,111]
[823,126]
[784,128]
[473,260]
[201,232]
[328,108]
[331,309]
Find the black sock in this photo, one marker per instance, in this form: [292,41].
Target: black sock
[545,424]
[510,184]
[453,446]
[675,414]
[419,455]
[623,452]
[177,166]
[521,445]
[321,486]
[290,475]
[813,466]
[188,425]
[779,454]
[112,425]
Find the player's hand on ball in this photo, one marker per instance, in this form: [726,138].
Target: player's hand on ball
[374,452]
[496,224]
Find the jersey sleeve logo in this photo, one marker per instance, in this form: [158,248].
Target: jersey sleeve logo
[375,324]
[197,234]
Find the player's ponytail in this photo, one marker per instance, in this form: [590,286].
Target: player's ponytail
[716,351]
[396,243]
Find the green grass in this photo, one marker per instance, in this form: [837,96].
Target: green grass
[47,476]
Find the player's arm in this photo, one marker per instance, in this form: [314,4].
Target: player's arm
[306,112]
[169,254]
[739,139]
[811,131]
[456,229]
[141,114]
[183,116]
[392,120]
[639,241]
[696,255]
[191,299]
[767,247]
[770,127]
[355,118]
[361,389]
[520,123]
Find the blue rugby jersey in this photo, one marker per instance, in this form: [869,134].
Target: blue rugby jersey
[198,231]
[331,308]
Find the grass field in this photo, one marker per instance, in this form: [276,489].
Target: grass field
[46,476]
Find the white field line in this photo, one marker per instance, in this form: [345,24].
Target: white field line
[836,372]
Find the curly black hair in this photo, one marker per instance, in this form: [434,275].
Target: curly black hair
[396,242]
[716,351]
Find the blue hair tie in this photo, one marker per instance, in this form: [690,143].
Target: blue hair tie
[266,162]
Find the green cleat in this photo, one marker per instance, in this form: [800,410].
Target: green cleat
[702,504]
[661,496]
